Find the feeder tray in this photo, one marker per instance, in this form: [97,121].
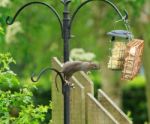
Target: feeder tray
[133,59]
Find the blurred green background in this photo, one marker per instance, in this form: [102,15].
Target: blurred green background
[35,38]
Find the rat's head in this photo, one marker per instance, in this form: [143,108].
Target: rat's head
[94,66]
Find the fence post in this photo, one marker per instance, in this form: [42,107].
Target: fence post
[77,103]
[97,114]
[112,108]
[57,97]
[77,98]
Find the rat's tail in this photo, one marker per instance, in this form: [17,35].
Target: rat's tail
[56,80]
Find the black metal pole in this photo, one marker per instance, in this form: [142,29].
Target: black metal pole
[66,37]
[66,30]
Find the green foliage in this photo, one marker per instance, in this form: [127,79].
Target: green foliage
[139,81]
[16,99]
[134,100]
[32,115]
[129,114]
[5,61]
[96,78]
[136,4]
[17,107]
[1,30]
[8,80]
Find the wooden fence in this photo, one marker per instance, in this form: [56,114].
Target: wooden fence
[85,108]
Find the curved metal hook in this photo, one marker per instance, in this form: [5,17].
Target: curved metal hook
[126,15]
[107,1]
[65,2]
[10,21]
[45,70]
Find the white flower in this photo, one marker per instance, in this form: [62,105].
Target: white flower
[4,3]
[11,32]
[80,54]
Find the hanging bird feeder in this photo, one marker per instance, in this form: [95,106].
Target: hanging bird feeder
[133,59]
[118,47]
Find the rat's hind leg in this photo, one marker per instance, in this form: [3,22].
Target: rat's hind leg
[70,84]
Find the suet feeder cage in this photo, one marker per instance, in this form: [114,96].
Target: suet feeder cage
[118,47]
[133,59]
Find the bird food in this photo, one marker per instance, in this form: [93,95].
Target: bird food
[116,61]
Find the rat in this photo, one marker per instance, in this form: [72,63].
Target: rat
[69,68]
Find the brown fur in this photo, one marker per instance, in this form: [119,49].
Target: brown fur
[69,68]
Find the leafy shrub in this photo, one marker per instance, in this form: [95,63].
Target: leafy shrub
[5,61]
[17,107]
[8,80]
[134,100]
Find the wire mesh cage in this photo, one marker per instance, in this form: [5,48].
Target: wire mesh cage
[118,48]
[133,59]
[116,59]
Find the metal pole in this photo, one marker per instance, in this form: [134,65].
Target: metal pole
[66,30]
[66,37]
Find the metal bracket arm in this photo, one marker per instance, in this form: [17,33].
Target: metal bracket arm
[10,21]
[45,70]
[124,18]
